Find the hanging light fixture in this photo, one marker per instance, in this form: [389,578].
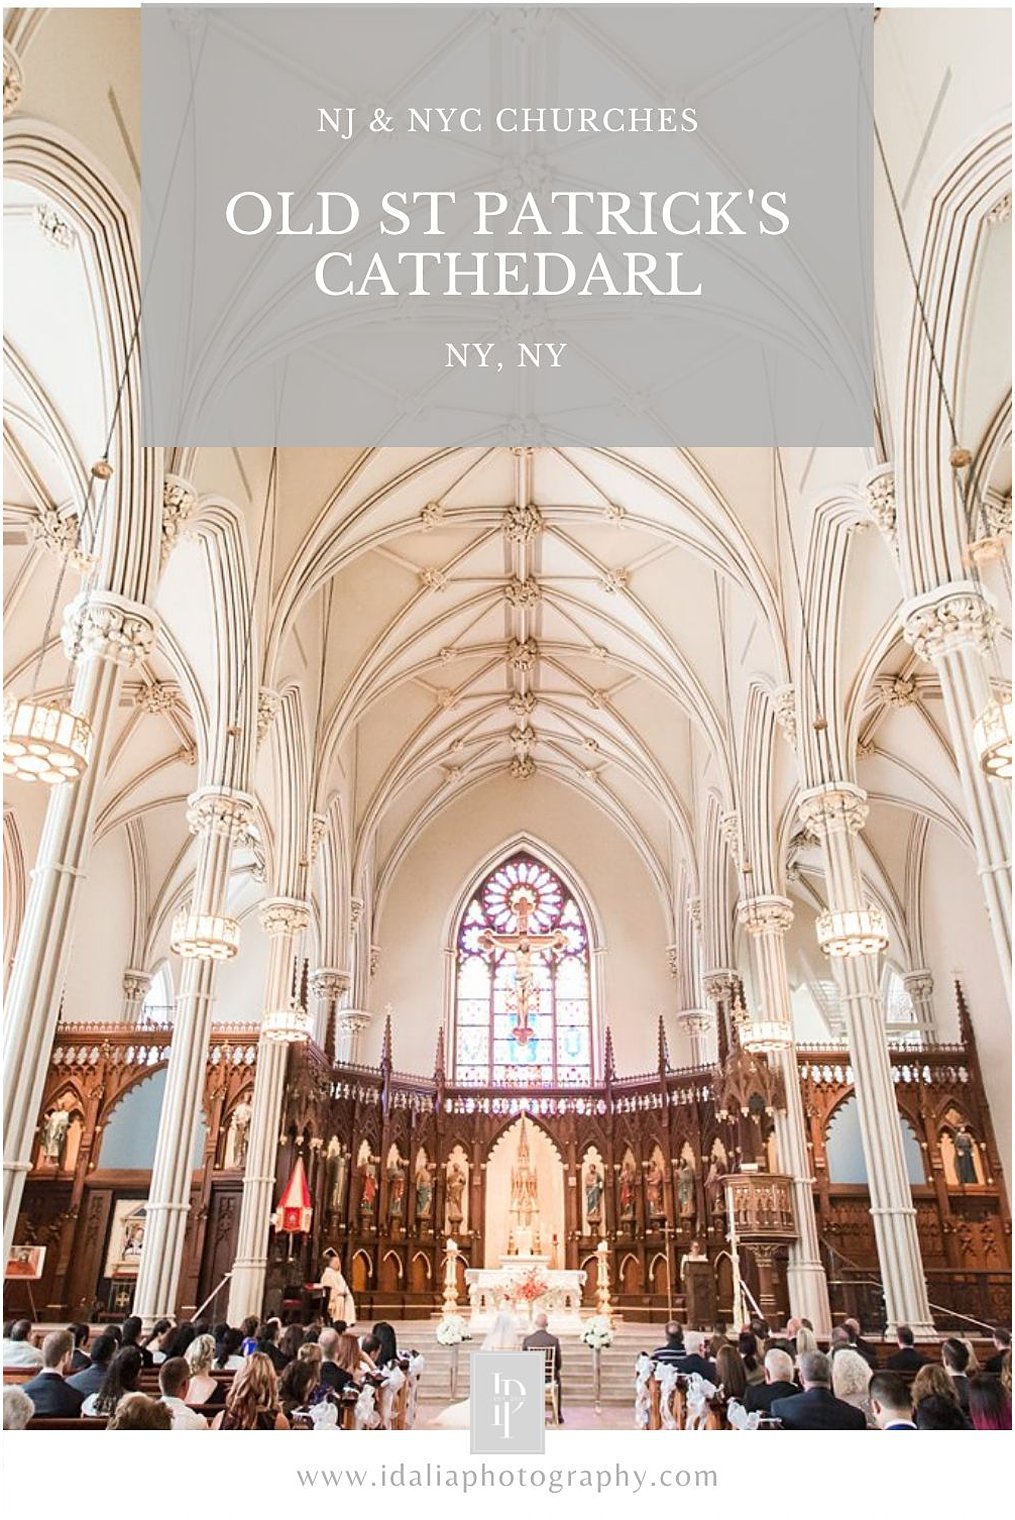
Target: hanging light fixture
[44,741]
[204,936]
[857,931]
[287,1026]
[992,736]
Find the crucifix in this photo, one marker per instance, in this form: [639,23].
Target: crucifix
[523,902]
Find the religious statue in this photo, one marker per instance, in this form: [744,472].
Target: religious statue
[340,1299]
[593,1193]
[368,1193]
[240,1132]
[396,1186]
[424,1188]
[685,1191]
[965,1156]
[54,1134]
[627,1181]
[335,1165]
[457,1177]
[654,1179]
[714,1188]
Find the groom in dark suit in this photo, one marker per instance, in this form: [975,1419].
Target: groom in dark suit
[540,1340]
[817,1408]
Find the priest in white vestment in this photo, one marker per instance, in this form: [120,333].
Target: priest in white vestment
[340,1299]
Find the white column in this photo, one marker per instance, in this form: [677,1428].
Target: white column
[106,633]
[135,990]
[215,816]
[836,813]
[920,987]
[283,920]
[767,920]
[954,627]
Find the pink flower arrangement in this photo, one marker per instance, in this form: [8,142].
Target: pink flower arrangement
[529,1287]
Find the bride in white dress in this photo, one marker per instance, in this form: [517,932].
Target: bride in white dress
[504,1335]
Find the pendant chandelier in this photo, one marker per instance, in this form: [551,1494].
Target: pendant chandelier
[44,741]
[204,936]
[286,1026]
[992,736]
[858,931]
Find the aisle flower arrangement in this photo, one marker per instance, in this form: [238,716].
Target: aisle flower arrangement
[452,1330]
[597,1333]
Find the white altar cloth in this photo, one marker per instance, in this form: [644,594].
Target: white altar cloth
[488,1288]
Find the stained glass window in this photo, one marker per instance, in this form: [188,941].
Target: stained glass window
[523,995]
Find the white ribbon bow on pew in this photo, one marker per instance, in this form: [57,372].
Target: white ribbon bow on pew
[366,1416]
[698,1394]
[666,1377]
[416,1366]
[394,1377]
[739,1418]
[324,1416]
[644,1369]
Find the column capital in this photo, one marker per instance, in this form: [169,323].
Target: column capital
[109,626]
[919,984]
[328,983]
[355,912]
[696,1020]
[673,959]
[836,806]
[315,836]
[719,982]
[766,914]
[179,501]
[283,915]
[136,984]
[694,913]
[957,615]
[219,810]
[14,80]
[879,498]
[784,711]
[353,1020]
[268,704]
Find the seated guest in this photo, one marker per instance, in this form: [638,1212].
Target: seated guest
[858,1343]
[388,1351]
[816,1408]
[1002,1344]
[159,1339]
[851,1377]
[345,1363]
[937,1412]
[907,1358]
[838,1340]
[296,1389]
[891,1402]
[747,1346]
[130,1335]
[136,1411]
[248,1331]
[123,1376]
[292,1340]
[955,1360]
[48,1389]
[18,1350]
[693,1361]
[252,1401]
[104,1348]
[311,1353]
[228,1351]
[369,1347]
[18,1408]
[805,1340]
[731,1372]
[174,1377]
[204,1389]
[932,1381]
[778,1383]
[80,1358]
[673,1351]
[176,1343]
[989,1403]
[267,1343]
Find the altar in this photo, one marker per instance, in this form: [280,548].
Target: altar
[513,1284]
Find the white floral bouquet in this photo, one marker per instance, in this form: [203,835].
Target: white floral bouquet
[598,1333]
[452,1331]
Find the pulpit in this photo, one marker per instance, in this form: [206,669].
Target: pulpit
[699,1292]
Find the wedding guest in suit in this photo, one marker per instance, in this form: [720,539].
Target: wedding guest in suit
[778,1384]
[541,1340]
[104,1348]
[340,1367]
[48,1389]
[1002,1346]
[989,1403]
[672,1351]
[891,1402]
[80,1358]
[955,1360]
[907,1358]
[693,1361]
[858,1343]
[18,1350]
[817,1408]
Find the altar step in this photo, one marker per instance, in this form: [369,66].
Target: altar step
[616,1364]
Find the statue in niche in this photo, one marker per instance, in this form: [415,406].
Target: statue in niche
[368,1190]
[654,1181]
[335,1169]
[627,1184]
[423,1181]
[239,1130]
[965,1156]
[685,1190]
[457,1177]
[396,1186]
[593,1193]
[53,1135]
